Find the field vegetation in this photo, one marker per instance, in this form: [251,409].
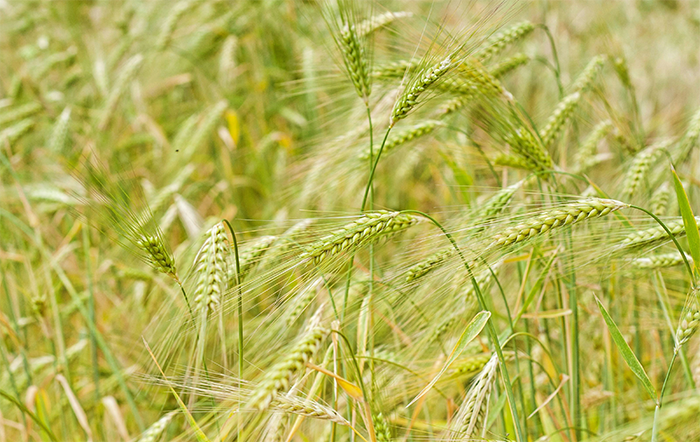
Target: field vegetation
[346,220]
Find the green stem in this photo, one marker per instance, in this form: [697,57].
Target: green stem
[240,318]
[91,312]
[374,168]
[657,410]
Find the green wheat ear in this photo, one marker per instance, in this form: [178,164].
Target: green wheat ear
[368,229]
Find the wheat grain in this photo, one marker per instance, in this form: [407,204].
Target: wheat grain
[168,27]
[470,365]
[526,146]
[16,131]
[381,428]
[397,69]
[303,299]
[305,407]
[660,261]
[248,257]
[157,255]
[689,140]
[498,201]
[204,130]
[227,60]
[481,79]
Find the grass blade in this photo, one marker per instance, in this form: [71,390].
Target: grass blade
[627,353]
[472,331]
[691,226]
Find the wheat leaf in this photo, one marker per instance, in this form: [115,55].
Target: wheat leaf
[472,331]
[627,353]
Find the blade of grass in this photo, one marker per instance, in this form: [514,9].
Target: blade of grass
[201,437]
[627,353]
[691,226]
[470,332]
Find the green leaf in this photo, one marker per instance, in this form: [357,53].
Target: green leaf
[627,353]
[472,331]
[691,226]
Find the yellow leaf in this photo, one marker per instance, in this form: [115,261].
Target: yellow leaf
[234,127]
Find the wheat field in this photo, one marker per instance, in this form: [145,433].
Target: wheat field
[349,220]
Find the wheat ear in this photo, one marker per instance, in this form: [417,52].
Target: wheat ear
[498,42]
[368,229]
[409,99]
[571,213]
[211,268]
[152,433]
[279,376]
